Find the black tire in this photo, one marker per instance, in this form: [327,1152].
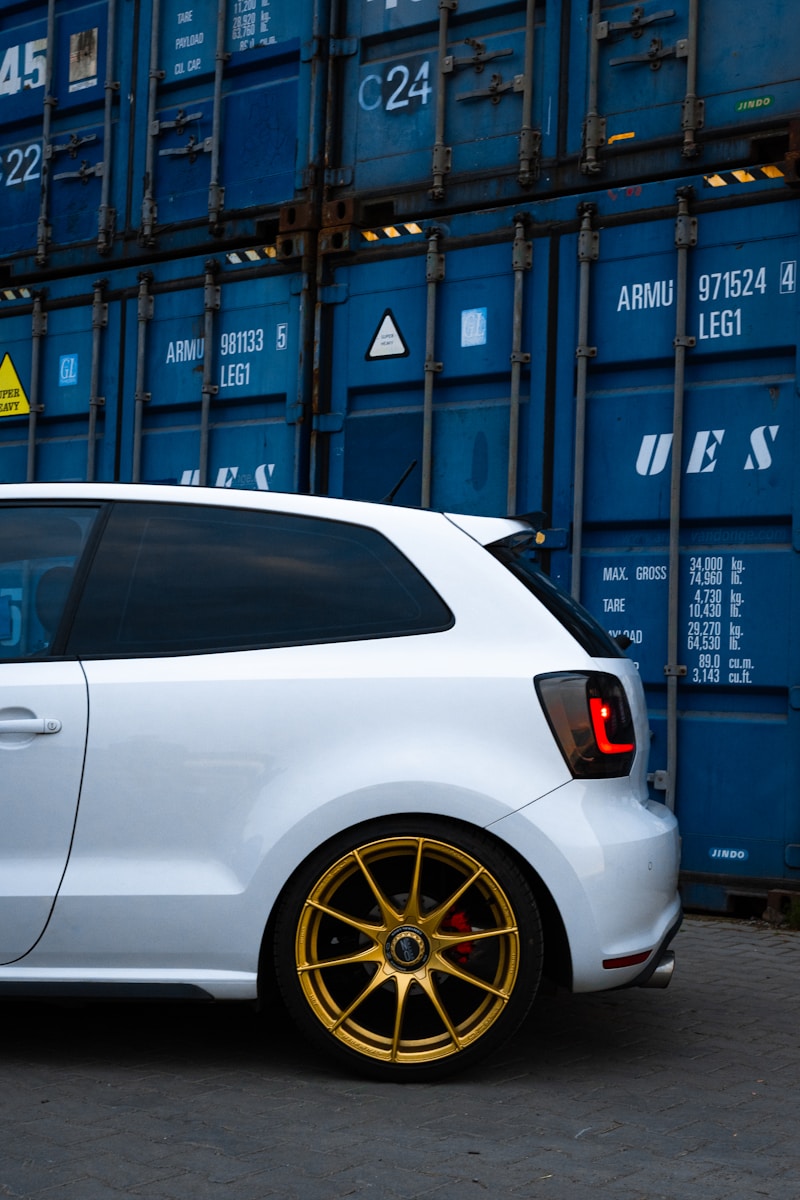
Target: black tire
[409,948]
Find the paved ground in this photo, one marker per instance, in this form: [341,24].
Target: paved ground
[688,1094]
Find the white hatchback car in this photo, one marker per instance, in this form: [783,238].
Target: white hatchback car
[370,752]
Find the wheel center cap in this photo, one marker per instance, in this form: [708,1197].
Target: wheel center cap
[407,948]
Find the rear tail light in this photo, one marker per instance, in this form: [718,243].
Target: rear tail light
[589,714]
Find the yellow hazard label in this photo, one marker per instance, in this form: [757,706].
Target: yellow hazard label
[744,175]
[13,401]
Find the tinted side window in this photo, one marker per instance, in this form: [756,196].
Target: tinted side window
[518,553]
[173,579]
[39,550]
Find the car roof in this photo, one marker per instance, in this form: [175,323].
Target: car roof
[481,528]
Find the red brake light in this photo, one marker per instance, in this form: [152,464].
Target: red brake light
[590,717]
[602,713]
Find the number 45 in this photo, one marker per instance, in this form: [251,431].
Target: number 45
[11,81]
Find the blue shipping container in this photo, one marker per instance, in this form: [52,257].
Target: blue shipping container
[115,382]
[438,106]
[132,127]
[663,450]
[451,349]
[124,122]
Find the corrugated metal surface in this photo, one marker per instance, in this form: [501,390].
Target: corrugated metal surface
[490,257]
[419,331]
[690,303]
[431,99]
[127,122]
[465,104]
[62,128]
[120,386]
[690,475]
[692,80]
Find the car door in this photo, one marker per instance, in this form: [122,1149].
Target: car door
[198,628]
[43,714]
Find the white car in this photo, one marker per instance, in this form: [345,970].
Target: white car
[370,752]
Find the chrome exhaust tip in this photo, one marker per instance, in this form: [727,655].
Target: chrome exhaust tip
[662,974]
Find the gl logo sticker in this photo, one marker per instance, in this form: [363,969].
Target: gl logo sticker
[68,370]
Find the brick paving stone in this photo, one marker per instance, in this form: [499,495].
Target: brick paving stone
[687,1094]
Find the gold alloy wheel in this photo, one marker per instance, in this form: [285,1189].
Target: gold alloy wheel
[407,949]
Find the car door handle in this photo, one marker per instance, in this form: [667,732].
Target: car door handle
[31,725]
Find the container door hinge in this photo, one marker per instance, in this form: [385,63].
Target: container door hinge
[442,162]
[530,153]
[179,124]
[106,224]
[434,266]
[685,231]
[594,136]
[693,118]
[636,24]
[100,315]
[588,245]
[145,309]
[343,47]
[495,89]
[678,670]
[84,172]
[654,54]
[298,284]
[335,293]
[478,59]
[522,254]
[38,323]
[312,49]
[216,204]
[43,234]
[658,780]
[71,147]
[192,149]
[339,176]
[332,422]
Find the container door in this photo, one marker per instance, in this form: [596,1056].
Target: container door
[58,369]
[729,369]
[212,385]
[23,72]
[442,101]
[43,717]
[228,118]
[673,81]
[428,388]
[60,106]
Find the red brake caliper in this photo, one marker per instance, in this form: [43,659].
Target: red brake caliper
[456,922]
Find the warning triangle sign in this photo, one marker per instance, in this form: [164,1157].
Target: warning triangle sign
[387,341]
[13,401]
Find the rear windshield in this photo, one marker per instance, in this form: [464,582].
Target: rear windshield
[518,553]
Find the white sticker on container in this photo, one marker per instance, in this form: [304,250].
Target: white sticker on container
[387,341]
[473,327]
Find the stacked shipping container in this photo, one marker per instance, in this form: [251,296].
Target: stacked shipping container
[492,257]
